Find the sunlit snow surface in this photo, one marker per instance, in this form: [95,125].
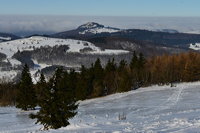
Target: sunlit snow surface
[195,46]
[151,109]
[5,38]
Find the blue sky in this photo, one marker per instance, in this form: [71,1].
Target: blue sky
[102,7]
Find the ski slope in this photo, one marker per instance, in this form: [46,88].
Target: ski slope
[152,109]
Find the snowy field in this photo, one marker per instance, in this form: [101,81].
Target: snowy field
[153,109]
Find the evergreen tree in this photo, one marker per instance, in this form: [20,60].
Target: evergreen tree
[134,61]
[110,78]
[82,86]
[122,65]
[140,69]
[26,96]
[98,79]
[59,103]
[141,61]
[40,87]
[124,81]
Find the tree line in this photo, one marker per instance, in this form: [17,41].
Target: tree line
[57,97]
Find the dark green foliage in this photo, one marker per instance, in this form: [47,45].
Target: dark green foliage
[26,96]
[124,82]
[122,65]
[40,87]
[58,104]
[82,85]
[98,87]
[134,61]
[110,78]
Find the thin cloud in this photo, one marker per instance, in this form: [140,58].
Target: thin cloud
[24,24]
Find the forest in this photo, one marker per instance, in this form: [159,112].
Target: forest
[60,94]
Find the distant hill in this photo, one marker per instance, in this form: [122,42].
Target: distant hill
[167,37]
[7,37]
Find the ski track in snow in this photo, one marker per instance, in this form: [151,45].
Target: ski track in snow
[152,109]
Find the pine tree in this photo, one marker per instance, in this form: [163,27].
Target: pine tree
[141,61]
[40,87]
[98,79]
[110,78]
[124,81]
[26,97]
[59,103]
[122,65]
[141,69]
[82,86]
[134,61]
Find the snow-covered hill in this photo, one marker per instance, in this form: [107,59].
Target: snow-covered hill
[153,109]
[10,48]
[32,43]
[96,28]
[7,37]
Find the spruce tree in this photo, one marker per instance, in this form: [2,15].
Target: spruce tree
[26,97]
[59,103]
[140,69]
[82,86]
[98,79]
[90,77]
[124,81]
[122,65]
[40,87]
[110,80]
[134,61]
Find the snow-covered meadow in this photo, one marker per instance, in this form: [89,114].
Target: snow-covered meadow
[152,109]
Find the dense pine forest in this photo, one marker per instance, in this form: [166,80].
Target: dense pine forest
[59,94]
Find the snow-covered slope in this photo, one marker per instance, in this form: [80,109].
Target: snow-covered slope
[10,48]
[152,109]
[195,46]
[28,44]
[5,38]
[96,28]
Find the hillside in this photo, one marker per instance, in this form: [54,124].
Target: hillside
[167,37]
[151,109]
[43,52]
[7,37]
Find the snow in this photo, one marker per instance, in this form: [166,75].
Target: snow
[195,46]
[151,109]
[5,38]
[8,75]
[89,25]
[29,44]
[96,28]
[99,30]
